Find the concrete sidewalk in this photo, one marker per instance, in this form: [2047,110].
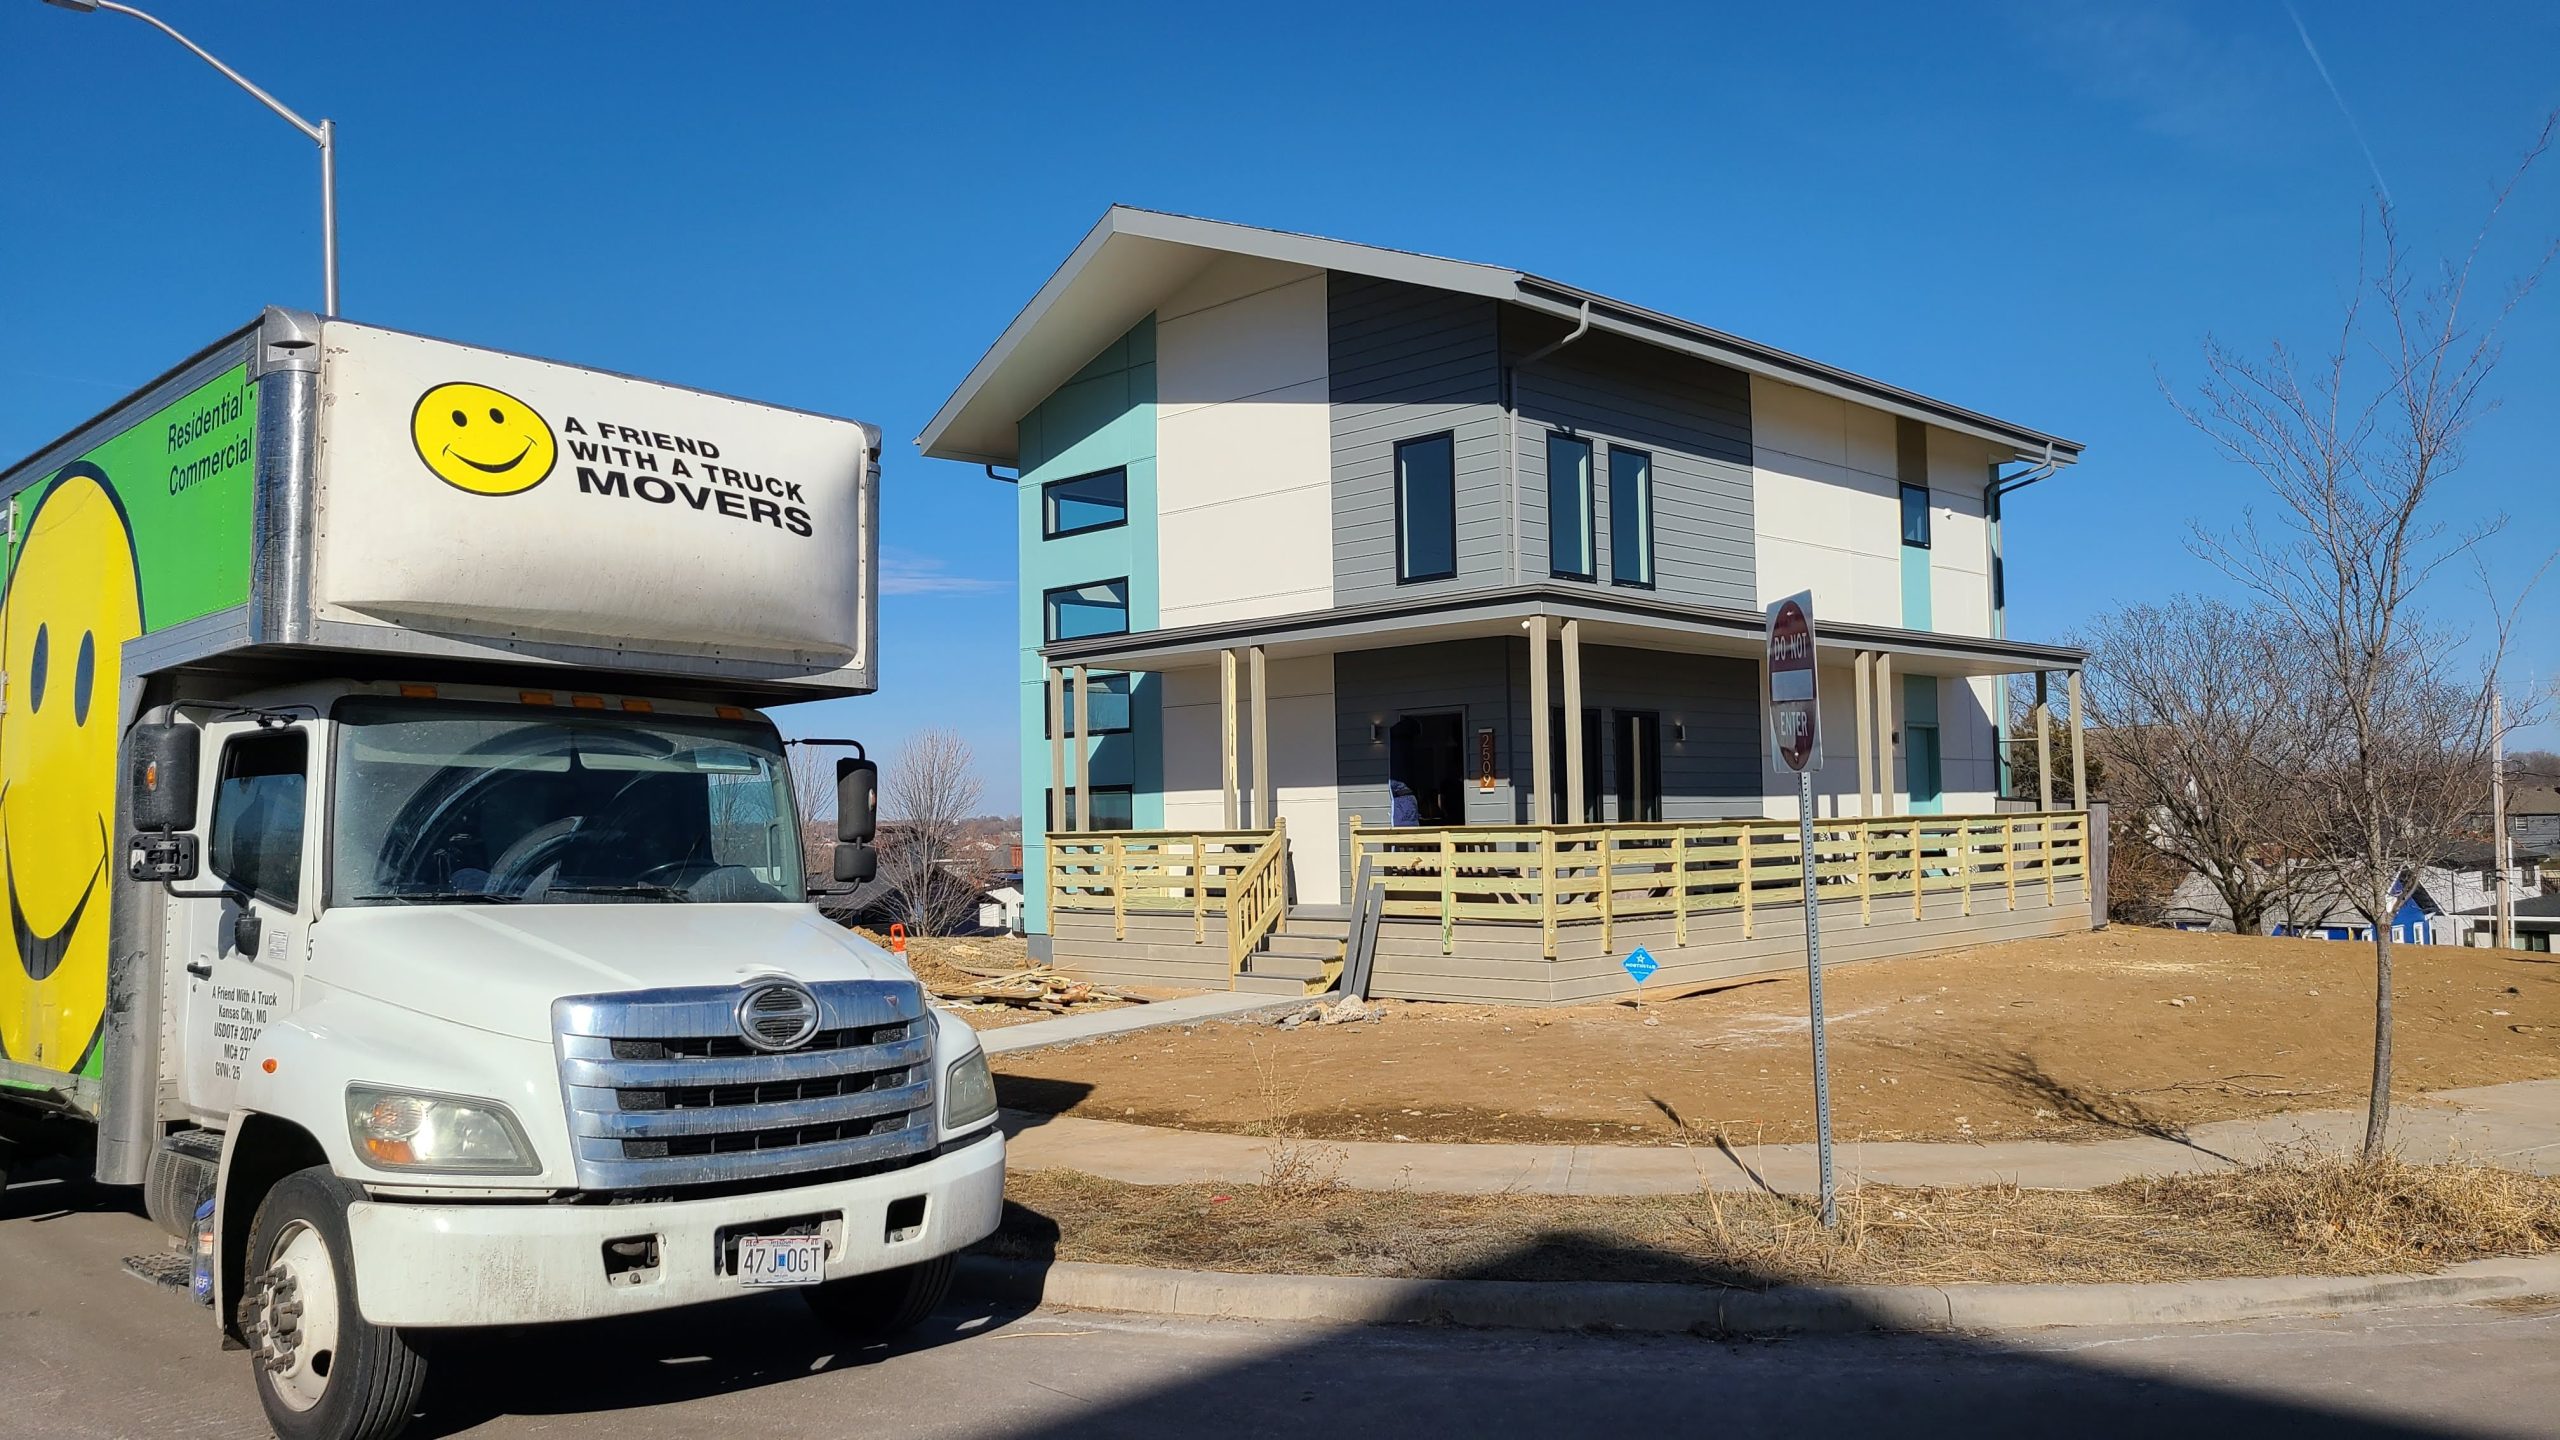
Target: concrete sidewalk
[1094,1025]
[2516,1125]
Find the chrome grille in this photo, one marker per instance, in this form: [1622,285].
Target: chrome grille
[664,1089]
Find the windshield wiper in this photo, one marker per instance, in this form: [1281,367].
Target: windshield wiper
[663,892]
[443,897]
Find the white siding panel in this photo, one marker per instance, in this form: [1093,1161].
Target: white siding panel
[1302,761]
[1244,445]
[1825,504]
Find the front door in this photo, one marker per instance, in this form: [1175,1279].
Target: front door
[1425,754]
[240,977]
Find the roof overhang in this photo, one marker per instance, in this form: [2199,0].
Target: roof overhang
[1632,622]
[1130,261]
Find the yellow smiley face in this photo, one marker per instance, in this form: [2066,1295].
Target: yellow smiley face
[482,440]
[72,603]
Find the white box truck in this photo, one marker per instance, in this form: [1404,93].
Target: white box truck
[396,864]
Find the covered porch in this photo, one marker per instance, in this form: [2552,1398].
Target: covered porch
[1534,781]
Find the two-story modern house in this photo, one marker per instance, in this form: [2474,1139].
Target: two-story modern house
[1333,554]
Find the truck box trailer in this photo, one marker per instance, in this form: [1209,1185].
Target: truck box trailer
[399,868]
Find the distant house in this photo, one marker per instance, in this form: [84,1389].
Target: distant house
[2537,923]
[2420,920]
[1001,910]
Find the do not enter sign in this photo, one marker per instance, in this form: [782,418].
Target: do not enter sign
[1795,720]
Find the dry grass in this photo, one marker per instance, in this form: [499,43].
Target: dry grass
[2344,1212]
[2302,1215]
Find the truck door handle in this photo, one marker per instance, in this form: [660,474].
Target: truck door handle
[200,969]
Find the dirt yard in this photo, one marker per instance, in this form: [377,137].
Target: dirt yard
[2125,1029]
[2311,1216]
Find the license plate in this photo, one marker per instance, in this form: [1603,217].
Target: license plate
[781,1259]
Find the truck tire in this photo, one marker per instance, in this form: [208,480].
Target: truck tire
[323,1372]
[884,1303]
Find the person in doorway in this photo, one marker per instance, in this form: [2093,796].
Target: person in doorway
[1403,808]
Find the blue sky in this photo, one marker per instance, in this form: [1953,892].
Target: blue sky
[2031,209]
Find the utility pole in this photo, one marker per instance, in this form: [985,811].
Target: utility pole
[2503,930]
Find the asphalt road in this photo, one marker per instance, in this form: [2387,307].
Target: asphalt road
[90,1351]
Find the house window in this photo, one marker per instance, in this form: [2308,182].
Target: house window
[1630,517]
[1084,502]
[1915,516]
[1114,807]
[1106,705]
[1568,506]
[1427,508]
[1078,611]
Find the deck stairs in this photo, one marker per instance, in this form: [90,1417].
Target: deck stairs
[1303,956]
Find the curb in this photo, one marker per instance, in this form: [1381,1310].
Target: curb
[1702,1309]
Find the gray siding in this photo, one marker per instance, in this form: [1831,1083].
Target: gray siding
[1692,416]
[1408,361]
[1713,774]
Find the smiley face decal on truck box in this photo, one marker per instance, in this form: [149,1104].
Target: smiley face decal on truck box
[73,600]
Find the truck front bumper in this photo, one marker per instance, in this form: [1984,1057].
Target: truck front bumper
[432,1265]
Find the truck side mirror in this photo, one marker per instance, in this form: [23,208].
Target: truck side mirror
[856,863]
[857,802]
[163,776]
[161,786]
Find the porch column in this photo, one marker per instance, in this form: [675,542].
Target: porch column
[1261,742]
[1227,734]
[2079,758]
[1574,779]
[1885,734]
[1540,808]
[2044,749]
[1864,666]
[1054,682]
[1084,755]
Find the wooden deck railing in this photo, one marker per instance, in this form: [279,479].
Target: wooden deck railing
[1258,897]
[1554,874]
[1154,872]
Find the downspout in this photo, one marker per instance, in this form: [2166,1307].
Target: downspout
[1511,426]
[2000,487]
[1992,493]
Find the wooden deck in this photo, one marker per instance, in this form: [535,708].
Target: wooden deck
[1541,915]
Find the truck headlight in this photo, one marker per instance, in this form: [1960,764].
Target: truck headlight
[968,1091]
[421,1130]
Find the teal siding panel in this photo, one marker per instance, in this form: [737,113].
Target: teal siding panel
[1103,417]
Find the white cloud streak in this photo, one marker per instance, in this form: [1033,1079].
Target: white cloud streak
[905,573]
[2357,130]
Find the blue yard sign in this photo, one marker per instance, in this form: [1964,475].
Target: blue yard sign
[1641,964]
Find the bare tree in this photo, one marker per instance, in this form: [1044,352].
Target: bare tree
[926,793]
[2355,448]
[2200,735]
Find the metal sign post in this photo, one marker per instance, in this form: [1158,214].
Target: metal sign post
[1795,725]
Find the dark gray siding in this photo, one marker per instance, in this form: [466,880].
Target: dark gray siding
[1692,416]
[1407,361]
[1714,773]
[1374,687]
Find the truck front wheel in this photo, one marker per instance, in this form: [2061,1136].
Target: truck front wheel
[323,1372]
[885,1302]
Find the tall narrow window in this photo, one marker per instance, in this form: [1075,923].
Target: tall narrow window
[1630,517]
[1569,506]
[1915,515]
[1427,508]
[1076,611]
[1084,502]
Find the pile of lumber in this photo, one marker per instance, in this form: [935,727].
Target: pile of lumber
[1041,988]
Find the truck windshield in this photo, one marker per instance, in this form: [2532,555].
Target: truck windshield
[440,802]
